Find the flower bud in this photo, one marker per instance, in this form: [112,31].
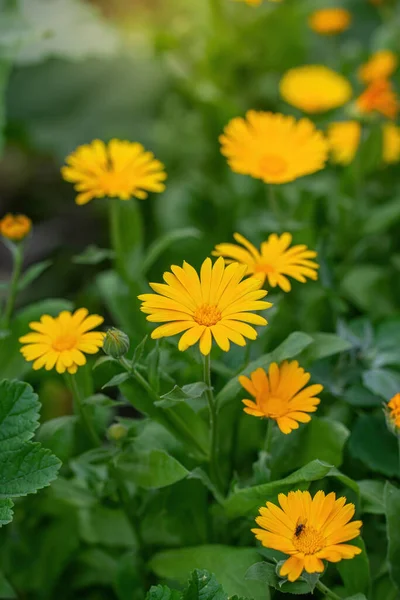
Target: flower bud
[392,414]
[116,343]
[117,432]
[15,227]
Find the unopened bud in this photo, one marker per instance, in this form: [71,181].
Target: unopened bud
[117,432]
[116,343]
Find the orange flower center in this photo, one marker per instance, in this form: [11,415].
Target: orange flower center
[264,268]
[271,164]
[309,540]
[274,407]
[64,342]
[207,314]
[113,183]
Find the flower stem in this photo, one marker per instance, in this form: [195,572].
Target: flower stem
[216,13]
[273,204]
[213,413]
[18,257]
[326,591]
[268,438]
[76,393]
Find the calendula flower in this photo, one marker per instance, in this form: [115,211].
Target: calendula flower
[315,88]
[344,139]
[15,227]
[330,21]
[309,529]
[281,395]
[381,65]
[63,341]
[273,147]
[256,2]
[391,143]
[118,169]
[379,97]
[275,260]
[393,410]
[218,304]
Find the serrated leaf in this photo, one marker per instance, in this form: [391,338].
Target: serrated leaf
[204,586]
[180,394]
[266,573]
[6,512]
[19,413]
[33,273]
[162,592]
[392,510]
[26,470]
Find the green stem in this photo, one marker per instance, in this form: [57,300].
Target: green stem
[326,591]
[216,13]
[269,437]
[273,202]
[398,445]
[18,257]
[213,413]
[76,393]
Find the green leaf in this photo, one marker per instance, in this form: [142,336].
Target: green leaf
[26,470]
[295,343]
[248,500]
[19,414]
[228,564]
[362,284]
[372,495]
[162,592]
[382,217]
[5,68]
[138,352]
[58,435]
[92,255]
[355,572]
[116,380]
[6,591]
[164,242]
[180,394]
[266,573]
[105,526]
[151,470]
[33,273]
[392,510]
[6,512]
[382,382]
[357,395]
[374,445]
[204,586]
[358,597]
[326,344]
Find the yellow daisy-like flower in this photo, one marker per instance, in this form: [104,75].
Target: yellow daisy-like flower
[394,411]
[381,65]
[344,139]
[118,169]
[281,395]
[273,147]
[274,261]
[218,304]
[379,97]
[315,88]
[391,143]
[330,21]
[63,341]
[15,227]
[309,529]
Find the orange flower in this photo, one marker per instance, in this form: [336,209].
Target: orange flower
[379,97]
[394,411]
[381,65]
[330,21]
[15,227]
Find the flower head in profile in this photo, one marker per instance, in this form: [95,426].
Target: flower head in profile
[393,413]
[274,261]
[330,21]
[379,97]
[309,529]
[15,227]
[315,88]
[344,139]
[219,304]
[381,65]
[62,342]
[281,395]
[391,143]
[273,147]
[118,169]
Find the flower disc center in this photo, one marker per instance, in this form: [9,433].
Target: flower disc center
[309,540]
[207,314]
[271,164]
[264,268]
[64,342]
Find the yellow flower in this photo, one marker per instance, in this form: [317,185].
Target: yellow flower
[62,341]
[309,529]
[394,411]
[315,88]
[381,65]
[273,147]
[344,139]
[217,304]
[274,261]
[15,227]
[330,21]
[118,169]
[391,143]
[379,97]
[281,395]
[256,2]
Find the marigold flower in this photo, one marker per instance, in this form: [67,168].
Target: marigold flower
[394,411]
[218,305]
[391,143]
[344,139]
[330,21]
[379,97]
[15,227]
[119,169]
[273,147]
[381,65]
[309,529]
[63,341]
[281,395]
[315,88]
[274,261]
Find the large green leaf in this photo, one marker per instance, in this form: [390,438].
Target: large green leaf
[382,382]
[6,512]
[152,469]
[372,496]
[162,592]
[6,591]
[19,414]
[374,445]
[204,586]
[327,344]
[392,509]
[100,525]
[228,564]
[247,500]
[355,572]
[266,573]
[26,470]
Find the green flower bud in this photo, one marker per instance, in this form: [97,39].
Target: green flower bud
[117,432]
[116,343]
